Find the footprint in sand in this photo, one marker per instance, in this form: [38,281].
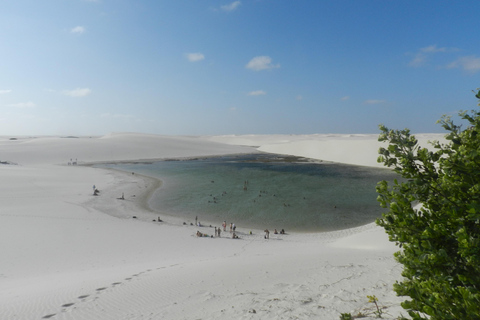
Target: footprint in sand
[84,296]
[116,283]
[66,305]
[49,316]
[101,289]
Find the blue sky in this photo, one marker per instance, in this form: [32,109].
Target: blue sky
[201,67]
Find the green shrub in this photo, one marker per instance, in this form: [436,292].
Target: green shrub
[346,316]
[374,299]
[440,242]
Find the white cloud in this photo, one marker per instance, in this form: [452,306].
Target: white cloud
[433,49]
[78,30]
[345,98]
[420,57]
[374,101]
[194,57]
[23,105]
[5,91]
[232,6]
[418,60]
[469,63]
[257,93]
[261,63]
[299,97]
[79,92]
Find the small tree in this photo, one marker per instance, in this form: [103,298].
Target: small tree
[439,238]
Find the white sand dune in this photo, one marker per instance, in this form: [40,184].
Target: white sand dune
[66,254]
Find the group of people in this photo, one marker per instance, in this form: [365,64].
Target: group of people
[267,233]
[233,227]
[218,230]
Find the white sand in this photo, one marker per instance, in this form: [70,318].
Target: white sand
[66,254]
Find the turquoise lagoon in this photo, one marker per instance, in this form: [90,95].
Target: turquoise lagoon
[265,191]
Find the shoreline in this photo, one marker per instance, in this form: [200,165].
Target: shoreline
[215,217]
[143,212]
[184,158]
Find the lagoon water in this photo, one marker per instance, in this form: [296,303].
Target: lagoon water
[266,191]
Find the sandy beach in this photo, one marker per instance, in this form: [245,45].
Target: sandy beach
[67,254]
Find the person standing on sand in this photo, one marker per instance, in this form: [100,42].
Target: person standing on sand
[224,225]
[219,231]
[216,231]
[267,234]
[231,227]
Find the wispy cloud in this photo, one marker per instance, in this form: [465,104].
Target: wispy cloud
[418,60]
[118,116]
[5,91]
[345,98]
[23,105]
[469,64]
[194,57]
[231,6]
[299,97]
[421,56]
[257,93]
[78,92]
[78,30]
[374,101]
[434,49]
[261,63]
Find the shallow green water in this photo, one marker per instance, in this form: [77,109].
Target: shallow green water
[264,191]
